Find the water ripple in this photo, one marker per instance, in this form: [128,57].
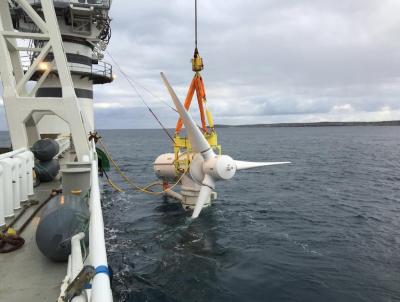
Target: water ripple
[326,228]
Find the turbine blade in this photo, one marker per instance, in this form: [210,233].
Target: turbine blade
[198,142]
[243,165]
[204,195]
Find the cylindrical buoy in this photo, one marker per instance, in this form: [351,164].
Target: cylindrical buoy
[62,218]
[45,149]
[47,170]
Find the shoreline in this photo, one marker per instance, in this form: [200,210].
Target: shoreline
[314,124]
[281,125]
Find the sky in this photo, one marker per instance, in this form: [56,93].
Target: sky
[266,61]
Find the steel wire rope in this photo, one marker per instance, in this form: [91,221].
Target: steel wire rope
[144,87]
[131,183]
[131,83]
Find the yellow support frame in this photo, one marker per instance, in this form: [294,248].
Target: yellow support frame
[183,150]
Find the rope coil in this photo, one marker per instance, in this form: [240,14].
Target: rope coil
[9,243]
[10,239]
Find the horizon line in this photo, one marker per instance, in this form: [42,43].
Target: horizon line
[280,124]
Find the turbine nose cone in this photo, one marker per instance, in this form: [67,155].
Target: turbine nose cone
[226,167]
[220,167]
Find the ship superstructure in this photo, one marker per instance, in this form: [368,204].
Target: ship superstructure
[61,56]
[51,56]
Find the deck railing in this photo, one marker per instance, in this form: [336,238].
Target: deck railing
[16,184]
[104,4]
[16,181]
[64,143]
[101,289]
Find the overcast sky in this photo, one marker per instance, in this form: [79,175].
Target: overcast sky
[266,61]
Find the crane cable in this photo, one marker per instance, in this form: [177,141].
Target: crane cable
[139,84]
[131,183]
[153,94]
[195,23]
[131,83]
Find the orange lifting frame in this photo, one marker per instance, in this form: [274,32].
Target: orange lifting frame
[197,85]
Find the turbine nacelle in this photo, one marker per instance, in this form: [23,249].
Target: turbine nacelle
[164,167]
[220,167]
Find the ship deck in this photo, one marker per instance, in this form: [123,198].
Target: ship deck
[26,274]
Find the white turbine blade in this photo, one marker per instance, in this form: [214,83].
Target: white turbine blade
[243,165]
[198,142]
[204,195]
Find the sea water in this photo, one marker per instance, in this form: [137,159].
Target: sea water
[325,228]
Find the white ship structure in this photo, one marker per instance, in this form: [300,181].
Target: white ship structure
[52,241]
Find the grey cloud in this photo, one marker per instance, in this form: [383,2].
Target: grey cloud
[265,60]
[136,117]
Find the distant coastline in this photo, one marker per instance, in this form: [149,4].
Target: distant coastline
[316,124]
[277,125]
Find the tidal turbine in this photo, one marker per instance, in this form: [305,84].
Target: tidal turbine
[206,167]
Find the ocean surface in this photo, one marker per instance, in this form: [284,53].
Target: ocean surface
[325,228]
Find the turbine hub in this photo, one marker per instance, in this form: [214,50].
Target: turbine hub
[220,167]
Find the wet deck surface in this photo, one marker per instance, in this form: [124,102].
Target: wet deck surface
[27,275]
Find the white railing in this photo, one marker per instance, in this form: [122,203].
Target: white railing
[100,286]
[76,266]
[64,143]
[16,184]
[101,289]
[16,181]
